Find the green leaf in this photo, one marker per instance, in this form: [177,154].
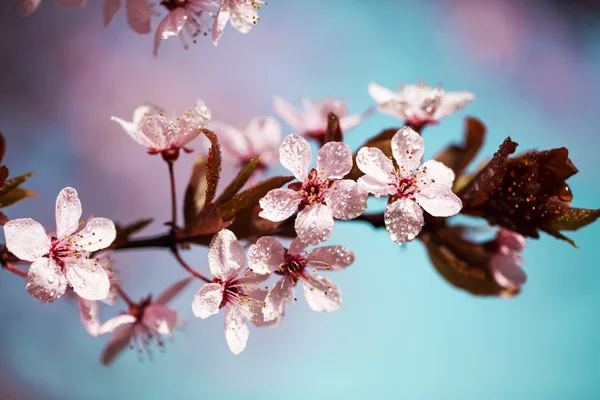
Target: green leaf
[334,131]
[573,219]
[195,193]
[239,181]
[213,166]
[251,196]
[12,183]
[458,157]
[15,195]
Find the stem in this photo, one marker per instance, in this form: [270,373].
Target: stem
[124,296]
[187,267]
[15,270]
[173,198]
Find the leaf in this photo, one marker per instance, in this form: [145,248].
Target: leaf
[2,147]
[12,183]
[458,157]
[124,232]
[571,219]
[213,166]
[208,222]
[382,141]
[487,180]
[239,181]
[251,196]
[3,218]
[334,131]
[15,195]
[3,174]
[195,193]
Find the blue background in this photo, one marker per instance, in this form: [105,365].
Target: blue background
[402,332]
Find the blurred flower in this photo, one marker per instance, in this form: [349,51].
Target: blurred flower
[29,6]
[412,187]
[139,14]
[259,137]
[241,14]
[419,104]
[321,195]
[321,294]
[506,261]
[63,259]
[312,121]
[159,134]
[237,293]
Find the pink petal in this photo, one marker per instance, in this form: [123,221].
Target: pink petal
[374,164]
[190,124]
[403,220]
[407,148]
[236,330]
[436,172]
[233,143]
[29,6]
[451,102]
[88,279]
[109,10]
[277,300]
[506,269]
[208,300]
[114,323]
[99,233]
[160,318]
[321,294]
[169,293]
[225,255]
[439,200]
[350,122]
[159,131]
[257,317]
[68,212]
[510,240]
[26,239]
[346,200]
[314,224]
[381,94]
[45,280]
[369,184]
[171,25]
[279,204]
[297,246]
[144,110]
[264,137]
[243,16]
[132,129]
[266,255]
[333,258]
[334,160]
[117,343]
[139,14]
[220,21]
[88,313]
[295,155]
[249,280]
[288,113]
[70,3]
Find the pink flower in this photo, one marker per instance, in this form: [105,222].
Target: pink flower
[139,14]
[294,265]
[29,6]
[159,134]
[506,261]
[321,195]
[312,121]
[412,187]
[418,104]
[61,260]
[183,13]
[259,137]
[241,14]
[238,293]
[145,322]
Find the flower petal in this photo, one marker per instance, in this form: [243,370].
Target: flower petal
[333,258]
[288,113]
[369,184]
[28,6]
[88,279]
[295,155]
[68,212]
[346,200]
[190,124]
[266,255]
[139,14]
[169,293]
[334,160]
[321,294]
[109,10]
[243,16]
[45,280]
[264,137]
[117,343]
[160,318]
[258,319]
[159,131]
[279,204]
[88,313]
[278,299]
[439,200]
[436,172]
[408,149]
[26,239]
[99,233]
[225,255]
[220,21]
[506,269]
[381,94]
[114,323]
[374,164]
[350,122]
[451,102]
[171,25]
[511,240]
[236,330]
[314,224]
[296,247]
[249,280]
[233,143]
[208,300]
[403,220]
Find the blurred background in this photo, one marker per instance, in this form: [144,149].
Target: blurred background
[402,332]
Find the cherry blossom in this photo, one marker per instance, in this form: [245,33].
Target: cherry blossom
[139,14]
[312,121]
[258,137]
[241,14]
[267,255]
[419,104]
[506,261]
[188,14]
[145,322]
[29,6]
[62,259]
[232,289]
[321,194]
[412,186]
[161,135]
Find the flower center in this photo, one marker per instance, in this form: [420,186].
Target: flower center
[313,189]
[63,249]
[173,4]
[294,267]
